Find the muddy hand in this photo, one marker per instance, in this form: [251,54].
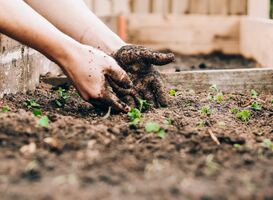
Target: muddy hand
[138,62]
[89,69]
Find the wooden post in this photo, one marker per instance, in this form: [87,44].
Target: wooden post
[259,8]
[143,6]
[161,6]
[238,7]
[199,6]
[180,6]
[218,7]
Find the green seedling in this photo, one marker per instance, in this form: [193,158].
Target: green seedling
[63,97]
[272,102]
[135,116]
[214,88]
[205,111]
[32,104]
[243,115]
[37,112]
[256,106]
[172,93]
[201,124]
[153,127]
[43,121]
[5,109]
[219,97]
[237,146]
[268,144]
[143,104]
[254,94]
[168,121]
[234,110]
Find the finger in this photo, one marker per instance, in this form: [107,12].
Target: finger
[119,76]
[159,90]
[121,92]
[157,58]
[116,103]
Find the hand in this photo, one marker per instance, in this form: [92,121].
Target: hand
[138,62]
[89,69]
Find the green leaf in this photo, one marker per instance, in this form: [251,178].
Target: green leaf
[267,143]
[256,106]
[58,103]
[143,104]
[134,113]
[161,133]
[237,146]
[168,121]
[32,104]
[152,127]
[135,121]
[219,97]
[205,111]
[37,112]
[5,109]
[214,88]
[234,110]
[43,121]
[254,94]
[172,93]
[244,115]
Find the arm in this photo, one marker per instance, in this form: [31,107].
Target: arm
[84,65]
[74,18]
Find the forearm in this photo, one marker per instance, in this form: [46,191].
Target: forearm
[22,23]
[78,22]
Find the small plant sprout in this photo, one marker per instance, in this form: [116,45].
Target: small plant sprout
[243,115]
[234,110]
[152,127]
[63,97]
[37,112]
[172,93]
[43,121]
[5,109]
[214,88]
[237,146]
[205,111]
[143,104]
[168,121]
[256,106]
[135,116]
[32,104]
[254,94]
[219,97]
[268,144]
[201,124]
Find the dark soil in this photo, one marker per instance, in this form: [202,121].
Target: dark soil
[212,61]
[90,157]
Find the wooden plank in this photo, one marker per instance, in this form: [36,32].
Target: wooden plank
[180,6]
[257,39]
[236,80]
[199,6]
[238,7]
[258,8]
[161,6]
[188,34]
[143,6]
[220,7]
[120,7]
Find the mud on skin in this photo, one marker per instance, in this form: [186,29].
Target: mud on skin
[138,62]
[102,158]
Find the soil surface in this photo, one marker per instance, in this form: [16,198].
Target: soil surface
[84,154]
[212,61]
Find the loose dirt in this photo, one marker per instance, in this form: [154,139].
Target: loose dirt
[212,61]
[85,155]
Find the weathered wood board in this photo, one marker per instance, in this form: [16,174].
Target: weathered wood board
[236,80]
[227,80]
[188,34]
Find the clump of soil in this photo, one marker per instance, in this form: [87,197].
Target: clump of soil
[85,155]
[212,61]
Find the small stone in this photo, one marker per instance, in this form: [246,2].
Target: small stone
[28,150]
[52,143]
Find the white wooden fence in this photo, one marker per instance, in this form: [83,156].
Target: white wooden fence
[210,7]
